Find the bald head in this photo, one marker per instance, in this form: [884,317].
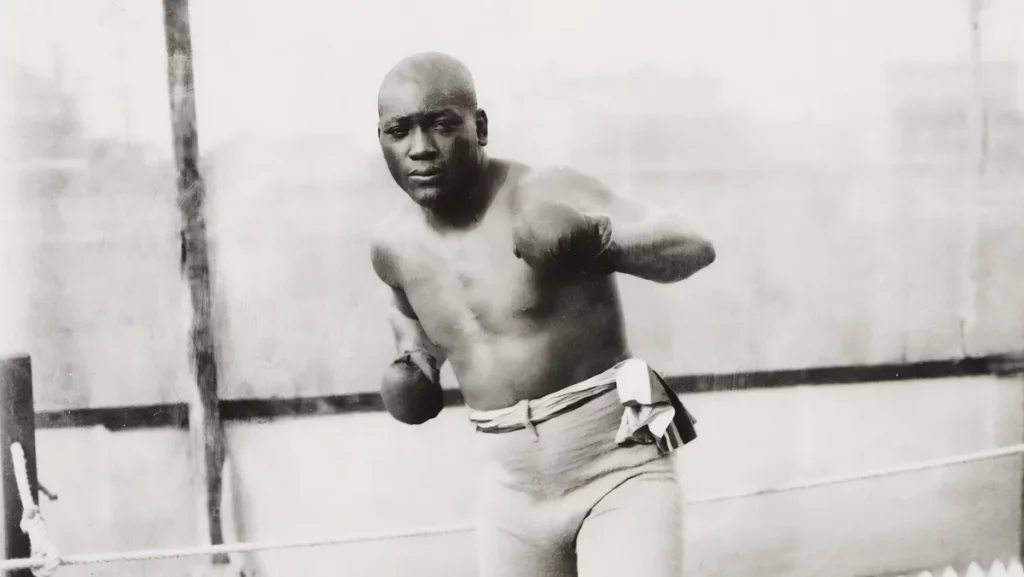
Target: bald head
[432,78]
[431,132]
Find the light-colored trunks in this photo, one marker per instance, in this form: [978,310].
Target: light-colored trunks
[582,482]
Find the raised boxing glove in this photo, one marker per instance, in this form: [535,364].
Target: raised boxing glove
[554,236]
[410,395]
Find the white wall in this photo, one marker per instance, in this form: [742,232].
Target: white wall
[773,129]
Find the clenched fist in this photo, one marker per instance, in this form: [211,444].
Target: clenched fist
[554,236]
[410,389]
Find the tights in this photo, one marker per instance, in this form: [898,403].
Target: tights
[563,499]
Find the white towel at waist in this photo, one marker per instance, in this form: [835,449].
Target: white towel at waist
[647,415]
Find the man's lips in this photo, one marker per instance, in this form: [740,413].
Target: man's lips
[425,175]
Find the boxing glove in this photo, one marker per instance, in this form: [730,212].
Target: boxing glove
[554,236]
[410,395]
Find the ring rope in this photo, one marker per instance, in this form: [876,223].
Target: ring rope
[886,472]
[156,554]
[171,553]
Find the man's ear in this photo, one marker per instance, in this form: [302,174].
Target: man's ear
[481,127]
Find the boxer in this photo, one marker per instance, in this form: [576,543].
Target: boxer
[507,272]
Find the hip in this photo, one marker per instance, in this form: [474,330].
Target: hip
[569,450]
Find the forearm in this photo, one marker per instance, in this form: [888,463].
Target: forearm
[410,385]
[660,249]
[409,336]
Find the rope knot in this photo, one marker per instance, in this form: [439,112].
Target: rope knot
[32,520]
[42,548]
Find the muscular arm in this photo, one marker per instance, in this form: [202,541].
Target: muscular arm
[646,241]
[406,329]
[409,335]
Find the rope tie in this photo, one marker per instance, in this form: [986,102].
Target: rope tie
[527,418]
[32,520]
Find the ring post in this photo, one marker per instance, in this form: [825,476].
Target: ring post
[17,425]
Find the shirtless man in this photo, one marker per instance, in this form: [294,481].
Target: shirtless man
[506,272]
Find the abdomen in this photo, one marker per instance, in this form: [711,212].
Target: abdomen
[533,355]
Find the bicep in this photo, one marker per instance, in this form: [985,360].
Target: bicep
[382,258]
[407,329]
[621,209]
[403,320]
[400,304]
[590,195]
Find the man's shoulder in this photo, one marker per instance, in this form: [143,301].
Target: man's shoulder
[388,236]
[559,182]
[548,174]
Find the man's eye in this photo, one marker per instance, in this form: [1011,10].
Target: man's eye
[397,132]
[445,125]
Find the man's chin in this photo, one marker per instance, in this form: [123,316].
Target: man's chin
[426,197]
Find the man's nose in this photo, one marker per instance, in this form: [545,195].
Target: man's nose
[423,146]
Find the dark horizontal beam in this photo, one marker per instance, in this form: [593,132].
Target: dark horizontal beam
[1001,364]
[117,418]
[249,410]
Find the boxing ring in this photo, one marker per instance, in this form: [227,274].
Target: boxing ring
[47,559]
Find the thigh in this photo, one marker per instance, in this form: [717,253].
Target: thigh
[636,529]
[513,539]
[504,554]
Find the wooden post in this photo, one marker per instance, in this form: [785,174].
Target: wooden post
[17,425]
[205,427]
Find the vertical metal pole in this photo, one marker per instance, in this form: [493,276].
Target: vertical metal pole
[17,425]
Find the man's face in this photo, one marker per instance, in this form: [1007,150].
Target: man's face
[431,143]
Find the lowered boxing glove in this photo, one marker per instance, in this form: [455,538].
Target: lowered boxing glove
[554,236]
[409,394]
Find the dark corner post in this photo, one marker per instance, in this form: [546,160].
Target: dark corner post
[206,433]
[17,425]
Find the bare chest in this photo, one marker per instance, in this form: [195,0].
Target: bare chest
[471,284]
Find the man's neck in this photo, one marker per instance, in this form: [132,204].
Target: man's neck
[465,209]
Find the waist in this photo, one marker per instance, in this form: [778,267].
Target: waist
[500,373]
[640,422]
[564,452]
[534,411]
